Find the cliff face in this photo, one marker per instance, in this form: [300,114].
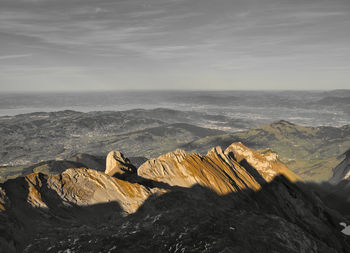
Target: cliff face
[225,201]
[342,171]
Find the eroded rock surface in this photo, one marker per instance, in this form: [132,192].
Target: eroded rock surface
[265,161]
[235,169]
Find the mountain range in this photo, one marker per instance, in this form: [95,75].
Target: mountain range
[232,200]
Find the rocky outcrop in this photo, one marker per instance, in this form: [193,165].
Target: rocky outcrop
[74,187]
[235,169]
[342,171]
[265,162]
[118,165]
[214,170]
[76,196]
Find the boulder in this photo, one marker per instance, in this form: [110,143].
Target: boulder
[118,165]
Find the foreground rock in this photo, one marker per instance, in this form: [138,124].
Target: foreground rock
[279,218]
[76,196]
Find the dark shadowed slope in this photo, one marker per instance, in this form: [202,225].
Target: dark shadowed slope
[336,192]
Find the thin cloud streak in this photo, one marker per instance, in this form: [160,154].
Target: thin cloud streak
[14,56]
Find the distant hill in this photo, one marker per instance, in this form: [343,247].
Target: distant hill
[149,142]
[29,139]
[338,93]
[23,138]
[333,101]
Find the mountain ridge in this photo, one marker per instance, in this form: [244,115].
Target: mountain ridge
[49,213]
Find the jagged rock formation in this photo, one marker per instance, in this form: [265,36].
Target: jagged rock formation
[265,161]
[75,196]
[214,170]
[117,164]
[235,169]
[233,201]
[342,171]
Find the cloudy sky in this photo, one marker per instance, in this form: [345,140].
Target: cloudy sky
[174,44]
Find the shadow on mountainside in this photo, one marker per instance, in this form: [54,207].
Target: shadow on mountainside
[279,218]
[251,170]
[21,222]
[149,183]
[334,196]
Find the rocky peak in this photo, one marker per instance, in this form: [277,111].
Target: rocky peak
[233,170]
[178,154]
[265,162]
[215,151]
[118,165]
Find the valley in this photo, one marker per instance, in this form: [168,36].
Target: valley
[29,139]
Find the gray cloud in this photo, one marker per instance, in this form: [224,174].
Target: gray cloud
[146,43]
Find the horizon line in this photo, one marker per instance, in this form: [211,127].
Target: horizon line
[165,90]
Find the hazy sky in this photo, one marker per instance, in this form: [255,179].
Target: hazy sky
[174,44]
